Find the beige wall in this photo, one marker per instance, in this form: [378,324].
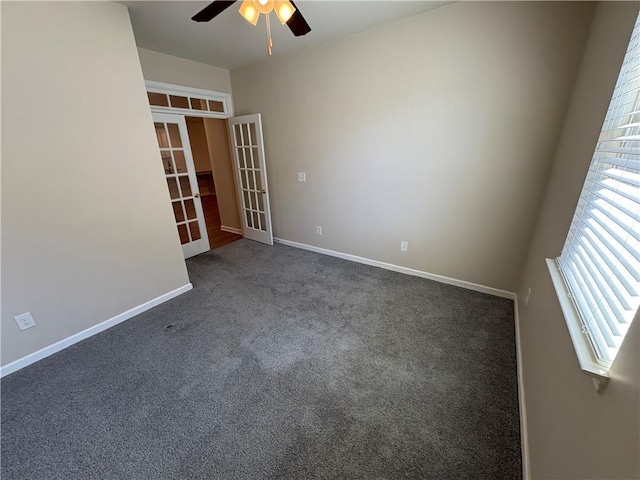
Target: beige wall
[438,129]
[573,432]
[218,142]
[161,67]
[198,143]
[87,227]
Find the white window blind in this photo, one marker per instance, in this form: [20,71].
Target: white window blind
[600,260]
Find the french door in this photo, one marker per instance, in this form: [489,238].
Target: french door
[251,177]
[180,173]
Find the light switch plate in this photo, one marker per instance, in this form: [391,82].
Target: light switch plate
[302,177]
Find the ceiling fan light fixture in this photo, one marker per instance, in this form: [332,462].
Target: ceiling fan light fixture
[263,6]
[249,12]
[284,10]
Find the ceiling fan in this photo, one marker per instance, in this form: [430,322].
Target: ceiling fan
[286,11]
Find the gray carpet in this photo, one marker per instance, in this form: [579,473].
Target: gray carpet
[281,363]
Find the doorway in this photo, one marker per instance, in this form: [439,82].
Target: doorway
[211,158]
[225,180]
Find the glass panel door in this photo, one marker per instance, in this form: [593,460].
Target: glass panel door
[179,170]
[251,177]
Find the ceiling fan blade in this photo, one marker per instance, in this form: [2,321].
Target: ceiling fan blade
[212,10]
[297,24]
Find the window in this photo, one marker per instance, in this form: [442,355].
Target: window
[164,97]
[600,261]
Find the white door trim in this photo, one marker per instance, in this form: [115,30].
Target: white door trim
[172,89]
[179,90]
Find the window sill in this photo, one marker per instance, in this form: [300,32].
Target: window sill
[599,374]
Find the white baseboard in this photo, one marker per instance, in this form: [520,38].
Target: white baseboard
[397,268]
[224,228]
[67,342]
[524,437]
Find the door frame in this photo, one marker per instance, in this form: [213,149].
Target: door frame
[180,90]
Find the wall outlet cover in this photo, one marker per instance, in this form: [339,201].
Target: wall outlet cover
[25,320]
[404,246]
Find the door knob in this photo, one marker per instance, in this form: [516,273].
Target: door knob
[263,191]
[197,195]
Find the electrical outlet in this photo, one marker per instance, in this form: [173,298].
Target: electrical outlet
[318,230]
[302,177]
[526,299]
[24,321]
[404,246]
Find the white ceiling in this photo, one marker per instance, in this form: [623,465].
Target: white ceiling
[228,41]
